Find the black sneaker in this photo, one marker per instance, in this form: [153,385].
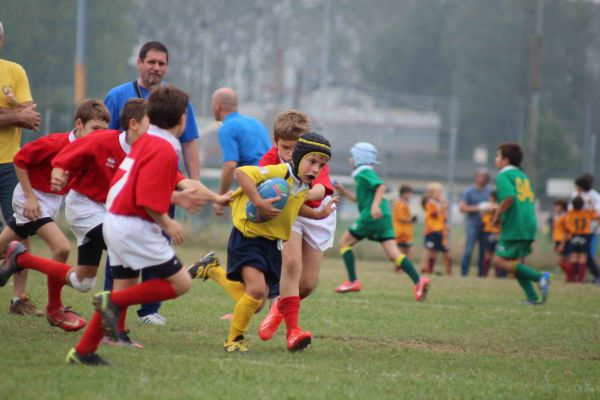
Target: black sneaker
[91,359]
[9,265]
[109,313]
[201,267]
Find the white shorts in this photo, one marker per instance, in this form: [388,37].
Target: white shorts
[318,233]
[134,242]
[49,204]
[83,214]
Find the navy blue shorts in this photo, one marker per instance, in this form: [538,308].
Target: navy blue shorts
[434,241]
[260,253]
[566,249]
[489,241]
[580,244]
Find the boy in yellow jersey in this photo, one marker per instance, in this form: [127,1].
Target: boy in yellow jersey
[435,229]
[490,234]
[254,249]
[578,226]
[560,238]
[403,221]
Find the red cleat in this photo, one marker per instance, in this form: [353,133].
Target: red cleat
[298,340]
[421,289]
[66,319]
[348,286]
[268,327]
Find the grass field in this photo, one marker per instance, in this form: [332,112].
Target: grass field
[471,339]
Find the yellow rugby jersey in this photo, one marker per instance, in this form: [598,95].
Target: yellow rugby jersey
[488,227]
[279,227]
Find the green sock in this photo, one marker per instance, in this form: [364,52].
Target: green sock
[348,257]
[407,266]
[525,272]
[528,289]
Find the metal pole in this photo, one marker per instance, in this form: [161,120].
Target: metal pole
[326,44]
[453,131]
[534,104]
[593,138]
[79,84]
[585,145]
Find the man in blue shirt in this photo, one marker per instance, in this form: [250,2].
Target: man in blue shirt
[470,204]
[243,139]
[152,65]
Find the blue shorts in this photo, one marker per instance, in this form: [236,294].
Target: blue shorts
[489,241]
[435,241]
[566,249]
[580,244]
[260,253]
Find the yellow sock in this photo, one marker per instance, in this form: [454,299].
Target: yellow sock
[242,314]
[234,289]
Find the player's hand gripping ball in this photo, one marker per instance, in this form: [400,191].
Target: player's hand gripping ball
[274,187]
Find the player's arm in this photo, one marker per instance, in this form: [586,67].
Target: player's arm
[22,116]
[504,205]
[345,192]
[191,158]
[32,207]
[317,192]
[248,185]
[375,206]
[203,192]
[169,226]
[309,212]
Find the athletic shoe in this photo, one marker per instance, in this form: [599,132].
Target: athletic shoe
[531,303]
[9,265]
[90,359]
[66,319]
[348,286]
[268,326]
[239,344]
[24,306]
[421,288]
[201,267]
[109,314]
[124,341]
[298,339]
[152,319]
[545,285]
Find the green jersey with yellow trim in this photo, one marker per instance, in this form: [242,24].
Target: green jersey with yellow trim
[518,221]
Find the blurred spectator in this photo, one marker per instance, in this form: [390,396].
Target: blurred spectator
[591,200]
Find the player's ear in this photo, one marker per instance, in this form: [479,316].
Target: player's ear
[78,124]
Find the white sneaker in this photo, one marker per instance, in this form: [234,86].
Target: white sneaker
[152,319]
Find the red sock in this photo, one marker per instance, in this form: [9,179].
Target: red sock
[122,317]
[568,270]
[151,291]
[54,294]
[581,272]
[290,307]
[486,267]
[91,337]
[46,266]
[430,265]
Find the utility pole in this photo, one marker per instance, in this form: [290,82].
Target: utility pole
[534,99]
[326,44]
[453,132]
[79,84]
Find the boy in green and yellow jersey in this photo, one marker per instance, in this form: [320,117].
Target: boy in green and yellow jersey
[516,212]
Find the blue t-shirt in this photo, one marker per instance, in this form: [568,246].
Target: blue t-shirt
[115,101]
[473,196]
[243,139]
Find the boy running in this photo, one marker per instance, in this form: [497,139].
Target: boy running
[374,222]
[518,223]
[35,206]
[403,221]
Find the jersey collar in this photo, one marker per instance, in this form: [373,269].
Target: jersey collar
[507,168]
[164,134]
[298,184]
[360,168]
[72,136]
[123,142]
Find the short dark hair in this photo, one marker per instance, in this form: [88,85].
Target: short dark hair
[166,104]
[562,203]
[91,109]
[577,203]
[513,152]
[405,189]
[585,182]
[133,109]
[156,46]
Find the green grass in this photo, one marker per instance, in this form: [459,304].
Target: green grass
[471,339]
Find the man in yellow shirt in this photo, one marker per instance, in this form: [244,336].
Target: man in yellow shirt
[17,111]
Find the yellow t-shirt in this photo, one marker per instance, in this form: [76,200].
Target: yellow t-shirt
[14,90]
[279,227]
